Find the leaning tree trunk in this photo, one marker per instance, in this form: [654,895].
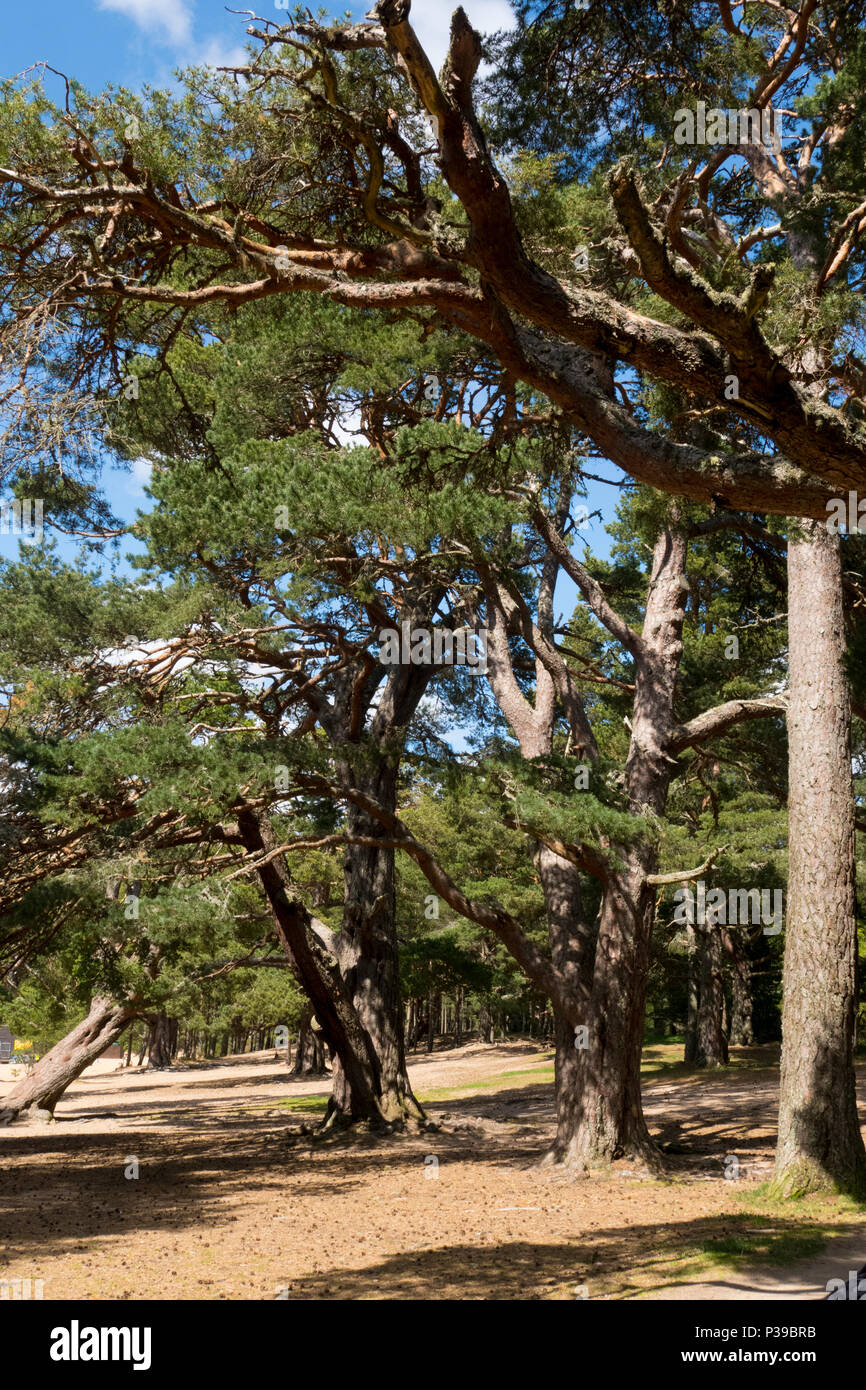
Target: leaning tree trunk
[569,936]
[355,1095]
[57,1070]
[712,1044]
[820,1146]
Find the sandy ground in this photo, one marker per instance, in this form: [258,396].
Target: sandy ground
[233,1201]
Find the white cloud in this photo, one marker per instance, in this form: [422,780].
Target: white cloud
[141,473]
[170,19]
[216,54]
[431,20]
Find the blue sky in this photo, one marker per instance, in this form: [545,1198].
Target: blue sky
[131,43]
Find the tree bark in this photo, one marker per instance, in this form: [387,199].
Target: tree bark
[368,944]
[742,1032]
[65,1062]
[608,1121]
[485,1024]
[356,1092]
[691,1040]
[310,1049]
[160,1040]
[571,954]
[712,1049]
[820,1146]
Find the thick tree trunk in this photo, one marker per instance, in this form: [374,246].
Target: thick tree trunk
[820,1146]
[712,1043]
[368,945]
[485,1024]
[65,1062]
[607,1115]
[571,953]
[608,1121]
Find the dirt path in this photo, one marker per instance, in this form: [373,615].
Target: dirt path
[232,1201]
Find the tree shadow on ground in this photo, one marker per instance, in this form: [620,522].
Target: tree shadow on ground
[650,1256]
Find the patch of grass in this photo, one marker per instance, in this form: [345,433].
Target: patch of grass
[497,1082]
[666,1059]
[303,1105]
[761,1232]
[767,1246]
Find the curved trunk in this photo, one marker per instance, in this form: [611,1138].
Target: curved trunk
[819,1145]
[65,1062]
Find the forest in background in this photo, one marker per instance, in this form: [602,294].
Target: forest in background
[388,340]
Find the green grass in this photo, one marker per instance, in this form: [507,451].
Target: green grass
[654,1063]
[303,1105]
[529,1074]
[779,1247]
[763,1233]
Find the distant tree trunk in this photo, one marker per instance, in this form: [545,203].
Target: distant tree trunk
[160,1042]
[485,1024]
[431,1020]
[819,1144]
[129,1046]
[742,1032]
[712,1043]
[65,1062]
[310,1050]
[691,1040]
